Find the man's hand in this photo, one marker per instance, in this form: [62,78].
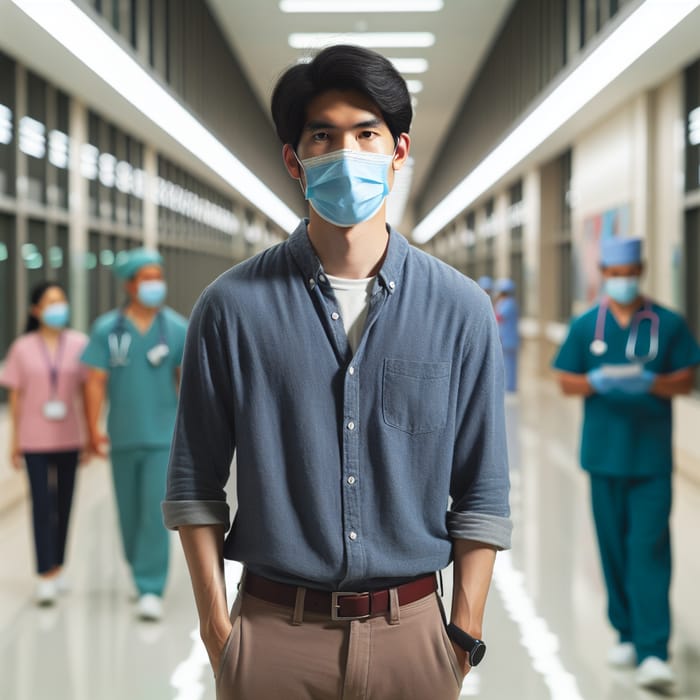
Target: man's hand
[215,639]
[98,445]
[15,454]
[640,384]
[462,658]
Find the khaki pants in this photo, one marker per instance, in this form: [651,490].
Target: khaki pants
[404,654]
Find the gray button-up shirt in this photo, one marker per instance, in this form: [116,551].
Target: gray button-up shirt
[353,471]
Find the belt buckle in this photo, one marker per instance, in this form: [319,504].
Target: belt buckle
[335,605]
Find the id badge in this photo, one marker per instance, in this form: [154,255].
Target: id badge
[55,410]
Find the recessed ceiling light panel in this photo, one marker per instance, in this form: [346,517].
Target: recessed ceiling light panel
[410,65]
[354,6]
[370,40]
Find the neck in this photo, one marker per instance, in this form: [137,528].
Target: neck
[48,333]
[352,253]
[136,308]
[625,309]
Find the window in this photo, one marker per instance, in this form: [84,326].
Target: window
[564,252]
[8,129]
[7,282]
[515,221]
[692,271]
[33,137]
[692,102]
[34,254]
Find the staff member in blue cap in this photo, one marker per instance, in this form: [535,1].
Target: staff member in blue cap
[507,315]
[486,283]
[628,356]
[134,354]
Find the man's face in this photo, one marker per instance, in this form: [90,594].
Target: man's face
[147,273]
[341,119]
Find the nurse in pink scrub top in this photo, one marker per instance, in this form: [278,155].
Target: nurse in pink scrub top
[45,379]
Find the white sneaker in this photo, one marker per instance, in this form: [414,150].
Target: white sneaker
[46,591]
[62,584]
[655,674]
[622,654]
[150,607]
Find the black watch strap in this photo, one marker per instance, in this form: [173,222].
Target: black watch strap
[475,648]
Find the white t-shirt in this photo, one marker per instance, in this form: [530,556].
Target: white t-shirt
[353,299]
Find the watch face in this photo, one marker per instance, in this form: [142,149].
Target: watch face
[477,653]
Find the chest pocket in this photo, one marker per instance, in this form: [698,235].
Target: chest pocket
[415,395]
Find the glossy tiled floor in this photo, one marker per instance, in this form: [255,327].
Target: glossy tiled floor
[545,621]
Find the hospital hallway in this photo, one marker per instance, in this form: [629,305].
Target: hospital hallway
[545,622]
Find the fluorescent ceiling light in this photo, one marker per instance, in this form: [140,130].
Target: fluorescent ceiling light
[636,35]
[353,6]
[410,65]
[72,28]
[414,86]
[370,40]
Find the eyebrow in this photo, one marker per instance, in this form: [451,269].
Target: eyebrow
[318,124]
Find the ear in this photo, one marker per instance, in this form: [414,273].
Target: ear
[291,162]
[131,287]
[403,147]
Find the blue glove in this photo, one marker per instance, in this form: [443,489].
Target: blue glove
[601,382]
[604,383]
[641,384]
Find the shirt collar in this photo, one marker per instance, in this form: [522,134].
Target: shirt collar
[389,275]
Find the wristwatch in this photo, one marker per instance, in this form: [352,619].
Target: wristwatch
[475,648]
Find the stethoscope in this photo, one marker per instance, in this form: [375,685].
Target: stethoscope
[119,341]
[599,347]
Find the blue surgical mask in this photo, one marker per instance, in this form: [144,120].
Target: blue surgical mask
[152,293]
[623,290]
[55,315]
[347,187]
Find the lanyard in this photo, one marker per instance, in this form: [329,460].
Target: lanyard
[53,368]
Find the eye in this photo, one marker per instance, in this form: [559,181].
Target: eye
[320,136]
[367,134]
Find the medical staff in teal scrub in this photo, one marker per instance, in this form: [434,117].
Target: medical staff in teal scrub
[628,357]
[134,354]
[507,315]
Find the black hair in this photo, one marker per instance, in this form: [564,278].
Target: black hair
[37,292]
[340,67]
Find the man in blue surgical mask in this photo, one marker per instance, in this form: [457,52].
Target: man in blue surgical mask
[134,355]
[628,357]
[359,382]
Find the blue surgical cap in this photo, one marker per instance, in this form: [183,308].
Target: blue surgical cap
[485,282]
[620,251]
[505,286]
[130,262]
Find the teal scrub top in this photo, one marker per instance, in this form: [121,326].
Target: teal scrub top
[627,435]
[142,397]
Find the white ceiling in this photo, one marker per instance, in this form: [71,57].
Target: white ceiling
[464,29]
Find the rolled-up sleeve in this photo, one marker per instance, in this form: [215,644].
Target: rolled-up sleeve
[204,438]
[480,485]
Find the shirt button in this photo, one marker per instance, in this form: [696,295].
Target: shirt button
[351,480]
[353,535]
[351,426]
[312,283]
[392,284]
[335,315]
[351,371]
[322,278]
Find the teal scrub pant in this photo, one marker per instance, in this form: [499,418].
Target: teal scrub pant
[632,523]
[139,484]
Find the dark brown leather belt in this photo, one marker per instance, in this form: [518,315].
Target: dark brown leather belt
[338,605]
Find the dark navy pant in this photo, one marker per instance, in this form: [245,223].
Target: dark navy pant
[52,480]
[632,523]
